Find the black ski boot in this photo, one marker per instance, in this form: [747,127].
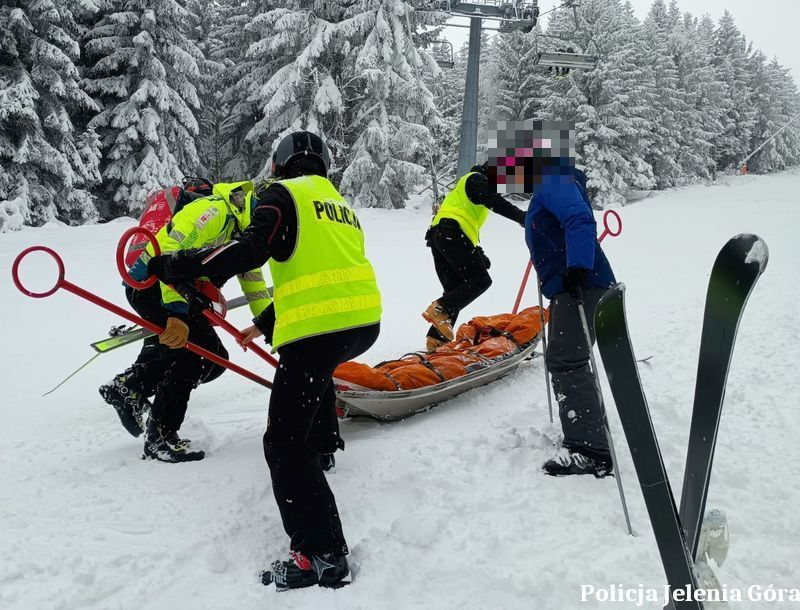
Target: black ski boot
[300,571]
[168,446]
[125,395]
[576,461]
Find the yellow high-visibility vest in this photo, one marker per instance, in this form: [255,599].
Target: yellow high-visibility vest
[457,206]
[327,284]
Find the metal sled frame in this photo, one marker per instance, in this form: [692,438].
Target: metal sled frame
[390,406]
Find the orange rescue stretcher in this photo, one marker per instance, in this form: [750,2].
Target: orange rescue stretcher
[485,349]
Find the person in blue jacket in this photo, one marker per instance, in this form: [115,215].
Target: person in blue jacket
[561,234]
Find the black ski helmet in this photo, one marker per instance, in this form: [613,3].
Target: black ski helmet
[298,145]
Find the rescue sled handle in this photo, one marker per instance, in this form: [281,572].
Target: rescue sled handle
[211,315]
[61,282]
[607,230]
[607,227]
[123,268]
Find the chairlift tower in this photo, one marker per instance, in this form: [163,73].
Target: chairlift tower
[511,15]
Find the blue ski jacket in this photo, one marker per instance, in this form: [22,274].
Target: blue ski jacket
[561,231]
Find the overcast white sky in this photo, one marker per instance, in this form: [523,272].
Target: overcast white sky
[772,25]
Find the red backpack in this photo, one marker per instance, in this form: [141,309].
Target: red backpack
[161,206]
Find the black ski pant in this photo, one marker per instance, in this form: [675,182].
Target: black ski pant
[573,381]
[172,374]
[462,268]
[302,424]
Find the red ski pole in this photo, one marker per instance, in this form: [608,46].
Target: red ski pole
[211,315]
[607,230]
[93,298]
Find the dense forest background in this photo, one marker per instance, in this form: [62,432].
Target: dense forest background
[104,101]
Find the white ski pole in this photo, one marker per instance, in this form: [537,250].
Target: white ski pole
[544,350]
[617,476]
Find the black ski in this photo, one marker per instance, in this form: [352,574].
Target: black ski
[614,342]
[137,333]
[736,270]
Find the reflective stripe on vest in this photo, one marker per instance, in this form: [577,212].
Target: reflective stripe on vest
[457,206]
[327,284]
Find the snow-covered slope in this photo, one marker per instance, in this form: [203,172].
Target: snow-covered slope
[445,510]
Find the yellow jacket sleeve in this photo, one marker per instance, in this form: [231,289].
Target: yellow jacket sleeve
[255,290]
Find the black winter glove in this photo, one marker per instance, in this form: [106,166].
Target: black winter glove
[574,279]
[162,266]
[179,265]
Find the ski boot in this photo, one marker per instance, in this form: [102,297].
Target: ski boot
[440,320]
[168,446]
[434,340]
[125,395]
[574,461]
[300,571]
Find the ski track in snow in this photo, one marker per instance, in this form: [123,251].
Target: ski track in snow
[447,509]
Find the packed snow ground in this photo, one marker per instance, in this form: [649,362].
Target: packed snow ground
[445,510]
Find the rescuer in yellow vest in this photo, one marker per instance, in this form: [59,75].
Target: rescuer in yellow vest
[326,311]
[460,263]
[163,370]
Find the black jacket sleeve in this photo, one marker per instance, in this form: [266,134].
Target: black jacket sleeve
[251,250]
[265,322]
[478,192]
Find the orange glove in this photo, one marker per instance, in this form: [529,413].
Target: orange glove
[175,335]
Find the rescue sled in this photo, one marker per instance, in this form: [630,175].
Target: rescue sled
[485,349]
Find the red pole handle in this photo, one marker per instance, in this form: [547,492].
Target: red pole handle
[93,298]
[607,227]
[123,269]
[522,287]
[214,317]
[18,282]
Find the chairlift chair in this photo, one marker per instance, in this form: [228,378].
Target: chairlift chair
[560,59]
[564,60]
[442,51]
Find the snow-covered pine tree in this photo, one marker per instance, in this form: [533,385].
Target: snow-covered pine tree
[519,84]
[47,170]
[668,111]
[692,44]
[607,104]
[738,118]
[250,35]
[143,73]
[775,101]
[390,110]
[209,31]
[448,94]
[295,70]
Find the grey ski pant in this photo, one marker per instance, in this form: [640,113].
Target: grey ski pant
[573,382]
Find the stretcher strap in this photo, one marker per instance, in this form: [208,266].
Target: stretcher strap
[429,365]
[481,357]
[393,380]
